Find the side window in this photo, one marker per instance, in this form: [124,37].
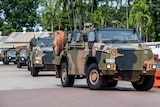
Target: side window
[91,37]
[69,37]
[75,36]
[78,37]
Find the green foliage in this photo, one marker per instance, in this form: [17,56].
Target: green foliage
[72,14]
[16,14]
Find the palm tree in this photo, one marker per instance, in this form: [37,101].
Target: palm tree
[140,15]
[48,13]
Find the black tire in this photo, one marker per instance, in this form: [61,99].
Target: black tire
[112,84]
[145,85]
[34,71]
[66,80]
[94,80]
[28,66]
[19,65]
[5,62]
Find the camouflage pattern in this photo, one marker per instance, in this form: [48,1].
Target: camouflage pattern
[1,55]
[120,59]
[40,55]
[9,56]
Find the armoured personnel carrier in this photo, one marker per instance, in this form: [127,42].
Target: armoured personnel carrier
[21,56]
[40,55]
[104,56]
[9,56]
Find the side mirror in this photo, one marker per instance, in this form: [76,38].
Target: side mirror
[33,42]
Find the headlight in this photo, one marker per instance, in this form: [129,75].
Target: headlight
[154,66]
[22,58]
[108,66]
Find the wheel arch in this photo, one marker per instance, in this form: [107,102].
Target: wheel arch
[58,67]
[89,61]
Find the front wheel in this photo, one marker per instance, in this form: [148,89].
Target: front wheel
[34,71]
[144,84]
[29,66]
[66,80]
[94,79]
[19,65]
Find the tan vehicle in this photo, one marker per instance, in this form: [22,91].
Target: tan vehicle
[40,55]
[104,56]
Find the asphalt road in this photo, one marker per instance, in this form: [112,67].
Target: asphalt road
[19,89]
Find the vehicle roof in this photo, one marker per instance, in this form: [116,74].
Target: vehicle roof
[45,38]
[115,29]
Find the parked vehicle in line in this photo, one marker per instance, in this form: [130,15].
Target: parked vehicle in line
[21,56]
[104,56]
[9,56]
[40,55]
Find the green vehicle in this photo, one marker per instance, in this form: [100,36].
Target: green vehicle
[104,56]
[21,56]
[40,55]
[9,56]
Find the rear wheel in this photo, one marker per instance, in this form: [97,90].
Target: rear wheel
[94,79]
[144,84]
[34,71]
[66,80]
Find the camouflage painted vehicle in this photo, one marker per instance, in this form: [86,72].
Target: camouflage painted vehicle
[9,56]
[21,56]
[104,56]
[2,54]
[40,55]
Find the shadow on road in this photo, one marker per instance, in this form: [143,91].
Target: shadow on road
[44,75]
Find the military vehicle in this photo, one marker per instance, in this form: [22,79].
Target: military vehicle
[2,54]
[21,56]
[40,55]
[9,56]
[104,56]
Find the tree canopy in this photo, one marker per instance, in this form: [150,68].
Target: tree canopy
[16,14]
[72,14]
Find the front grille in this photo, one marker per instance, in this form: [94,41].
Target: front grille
[48,57]
[10,58]
[131,60]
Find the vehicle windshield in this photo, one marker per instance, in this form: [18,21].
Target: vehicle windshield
[11,53]
[44,42]
[23,53]
[120,36]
